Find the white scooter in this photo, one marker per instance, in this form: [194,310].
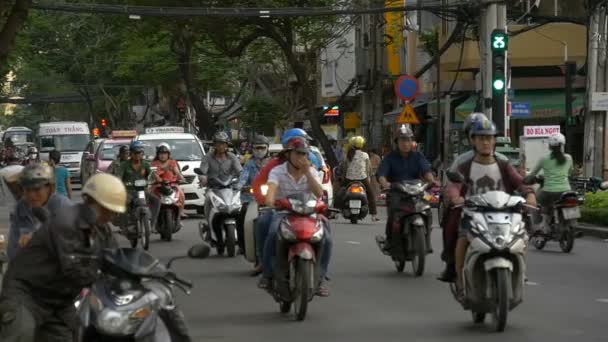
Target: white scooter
[219,226]
[495,265]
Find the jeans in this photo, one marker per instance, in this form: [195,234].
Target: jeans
[270,246]
[260,232]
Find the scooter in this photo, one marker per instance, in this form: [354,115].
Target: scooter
[411,236]
[168,215]
[495,265]
[219,226]
[355,206]
[561,223]
[125,302]
[299,244]
[135,224]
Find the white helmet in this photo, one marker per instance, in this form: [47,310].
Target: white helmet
[557,139]
[11,173]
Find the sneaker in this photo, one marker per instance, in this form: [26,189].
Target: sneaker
[265,283]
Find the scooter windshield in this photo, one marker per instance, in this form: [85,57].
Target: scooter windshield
[133,261]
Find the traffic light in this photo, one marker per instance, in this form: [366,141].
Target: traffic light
[104,122]
[499,41]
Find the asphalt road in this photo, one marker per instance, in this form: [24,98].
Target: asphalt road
[566,298]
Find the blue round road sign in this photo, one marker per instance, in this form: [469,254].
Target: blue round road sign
[407,87]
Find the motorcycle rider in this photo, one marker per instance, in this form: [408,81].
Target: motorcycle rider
[136,167]
[556,166]
[296,175]
[482,174]
[123,155]
[37,301]
[220,163]
[451,217]
[251,169]
[32,156]
[400,165]
[38,191]
[357,168]
[167,168]
[263,222]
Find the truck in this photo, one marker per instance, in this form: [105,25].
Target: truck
[68,137]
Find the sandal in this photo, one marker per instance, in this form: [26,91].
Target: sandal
[264,283]
[323,289]
[257,270]
[375,219]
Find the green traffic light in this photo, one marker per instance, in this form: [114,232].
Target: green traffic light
[499,40]
[499,84]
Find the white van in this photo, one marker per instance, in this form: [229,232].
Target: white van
[68,137]
[186,149]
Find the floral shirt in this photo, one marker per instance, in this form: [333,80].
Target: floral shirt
[357,169]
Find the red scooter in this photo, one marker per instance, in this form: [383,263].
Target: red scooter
[299,244]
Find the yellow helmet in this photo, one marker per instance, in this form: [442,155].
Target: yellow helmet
[108,191]
[357,142]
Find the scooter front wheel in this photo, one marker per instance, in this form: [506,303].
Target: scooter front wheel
[501,294]
[143,229]
[303,287]
[230,240]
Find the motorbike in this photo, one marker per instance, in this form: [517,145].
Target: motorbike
[411,237]
[355,206]
[562,222]
[168,217]
[495,265]
[135,224]
[251,214]
[3,256]
[299,245]
[125,302]
[219,226]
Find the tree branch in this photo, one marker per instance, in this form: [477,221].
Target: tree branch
[13,23]
[458,30]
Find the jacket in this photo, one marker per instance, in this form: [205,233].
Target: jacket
[59,259]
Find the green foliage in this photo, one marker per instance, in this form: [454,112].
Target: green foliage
[598,200]
[594,216]
[261,114]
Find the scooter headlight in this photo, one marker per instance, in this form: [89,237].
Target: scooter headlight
[218,203]
[318,236]
[114,322]
[286,233]
[236,203]
[499,234]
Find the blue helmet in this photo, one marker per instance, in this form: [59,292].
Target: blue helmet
[136,146]
[483,127]
[292,133]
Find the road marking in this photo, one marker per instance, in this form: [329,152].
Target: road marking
[602,300]
[531,283]
[353,242]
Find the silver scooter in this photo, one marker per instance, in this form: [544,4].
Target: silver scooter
[222,209]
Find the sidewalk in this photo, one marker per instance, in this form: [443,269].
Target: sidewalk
[592,230]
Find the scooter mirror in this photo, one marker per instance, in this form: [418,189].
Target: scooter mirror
[198,171]
[604,186]
[200,251]
[186,167]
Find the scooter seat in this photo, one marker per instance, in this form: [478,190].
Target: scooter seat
[568,194]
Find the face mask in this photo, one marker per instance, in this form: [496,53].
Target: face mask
[259,154]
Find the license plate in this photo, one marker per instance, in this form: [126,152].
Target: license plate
[354,204]
[141,195]
[571,213]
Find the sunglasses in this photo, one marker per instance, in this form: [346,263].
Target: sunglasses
[259,148]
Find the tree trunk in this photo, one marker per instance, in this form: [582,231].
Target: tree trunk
[15,19]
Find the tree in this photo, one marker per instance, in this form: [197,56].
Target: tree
[12,17]
[260,114]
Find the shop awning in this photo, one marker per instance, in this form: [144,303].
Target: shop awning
[530,104]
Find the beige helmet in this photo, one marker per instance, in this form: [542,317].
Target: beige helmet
[36,175]
[108,191]
[11,173]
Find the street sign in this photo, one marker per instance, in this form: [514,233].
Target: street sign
[407,87]
[520,110]
[352,120]
[334,111]
[540,131]
[599,101]
[408,116]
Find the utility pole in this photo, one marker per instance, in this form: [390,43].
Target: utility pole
[590,116]
[600,117]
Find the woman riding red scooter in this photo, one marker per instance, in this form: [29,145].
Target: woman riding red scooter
[167,169]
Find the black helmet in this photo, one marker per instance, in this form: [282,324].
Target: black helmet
[221,136]
[123,149]
[36,175]
[483,127]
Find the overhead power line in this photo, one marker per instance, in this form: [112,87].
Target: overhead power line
[157,11]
